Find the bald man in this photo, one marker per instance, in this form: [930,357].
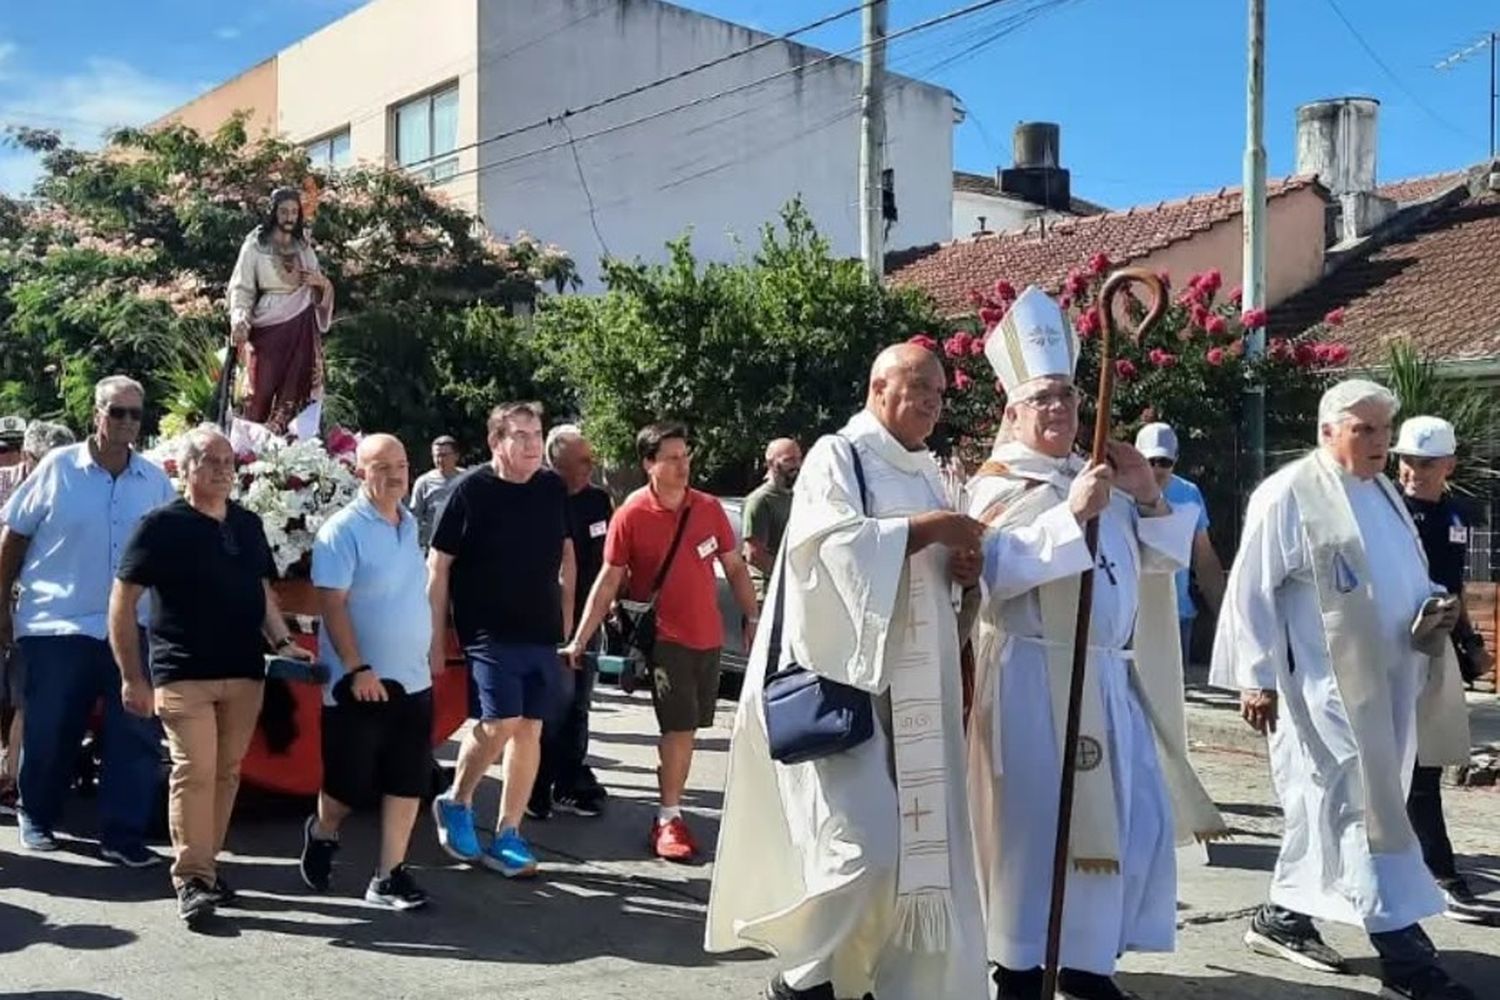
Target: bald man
[855,868]
[767,509]
[377,708]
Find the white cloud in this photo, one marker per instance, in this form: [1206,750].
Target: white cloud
[7,51]
[83,106]
[228,33]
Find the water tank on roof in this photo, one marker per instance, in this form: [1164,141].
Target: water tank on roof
[1037,144]
[1336,140]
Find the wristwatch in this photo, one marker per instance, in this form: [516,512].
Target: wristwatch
[284,643]
[360,669]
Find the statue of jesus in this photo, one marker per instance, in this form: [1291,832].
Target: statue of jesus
[280,305]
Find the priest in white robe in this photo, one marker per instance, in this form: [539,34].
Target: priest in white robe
[856,869]
[1316,633]
[1122,879]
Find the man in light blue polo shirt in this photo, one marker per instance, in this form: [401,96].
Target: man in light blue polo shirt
[1158,443]
[66,527]
[371,577]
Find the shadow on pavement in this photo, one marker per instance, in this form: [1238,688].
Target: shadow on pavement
[1246,857]
[21,928]
[57,995]
[56,875]
[1233,985]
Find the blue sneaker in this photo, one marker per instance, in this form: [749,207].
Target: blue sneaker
[510,855]
[455,829]
[33,837]
[130,855]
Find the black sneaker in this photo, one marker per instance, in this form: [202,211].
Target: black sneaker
[222,893]
[777,989]
[195,900]
[1432,983]
[1077,985]
[587,802]
[1462,905]
[1304,948]
[317,858]
[540,806]
[397,891]
[1011,984]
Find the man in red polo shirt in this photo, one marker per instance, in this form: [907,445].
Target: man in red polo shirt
[689,634]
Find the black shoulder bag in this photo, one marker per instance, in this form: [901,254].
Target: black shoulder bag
[808,716]
[637,619]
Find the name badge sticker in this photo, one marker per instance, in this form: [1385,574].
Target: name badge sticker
[708,547]
[598,529]
[1458,535]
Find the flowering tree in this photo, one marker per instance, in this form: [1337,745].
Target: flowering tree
[1191,371]
[120,261]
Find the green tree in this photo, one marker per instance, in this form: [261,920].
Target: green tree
[1466,404]
[778,343]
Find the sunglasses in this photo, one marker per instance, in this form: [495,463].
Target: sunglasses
[132,413]
[1163,463]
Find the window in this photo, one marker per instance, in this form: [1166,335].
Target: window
[426,129]
[331,152]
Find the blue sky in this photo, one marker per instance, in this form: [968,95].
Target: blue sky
[1149,93]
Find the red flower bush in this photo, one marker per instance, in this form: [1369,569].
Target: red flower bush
[1214,356]
[923,340]
[1253,319]
[1216,326]
[1125,368]
[1335,317]
[1100,264]
[958,345]
[961,380]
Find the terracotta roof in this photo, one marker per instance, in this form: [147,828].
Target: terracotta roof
[1420,188]
[949,271]
[1434,284]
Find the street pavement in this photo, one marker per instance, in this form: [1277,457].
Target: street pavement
[604,920]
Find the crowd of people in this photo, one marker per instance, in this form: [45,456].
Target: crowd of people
[906,855]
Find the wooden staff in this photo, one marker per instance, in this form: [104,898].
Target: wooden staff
[1117,281]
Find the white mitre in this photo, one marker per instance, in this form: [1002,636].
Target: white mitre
[1034,339]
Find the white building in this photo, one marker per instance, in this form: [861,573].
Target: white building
[454,87]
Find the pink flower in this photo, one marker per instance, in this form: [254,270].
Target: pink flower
[1004,289]
[1215,356]
[924,341]
[1125,369]
[1161,358]
[1066,301]
[1253,319]
[1237,348]
[976,347]
[1306,355]
[1335,317]
[957,346]
[990,318]
[1089,323]
[1077,284]
[961,381]
[1100,264]
[1211,280]
[1337,354]
[1237,297]
[1192,297]
[341,442]
[1216,326]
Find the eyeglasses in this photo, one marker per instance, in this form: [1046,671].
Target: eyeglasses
[122,413]
[1162,463]
[1051,400]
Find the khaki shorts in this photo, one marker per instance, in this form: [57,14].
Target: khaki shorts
[684,687]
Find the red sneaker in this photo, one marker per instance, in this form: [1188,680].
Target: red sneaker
[673,841]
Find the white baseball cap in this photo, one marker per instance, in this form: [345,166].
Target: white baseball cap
[1157,441]
[1427,437]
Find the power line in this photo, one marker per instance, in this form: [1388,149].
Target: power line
[650,85]
[1375,56]
[587,194]
[933,22]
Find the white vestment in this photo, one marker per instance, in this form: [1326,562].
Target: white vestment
[807,863]
[1104,914]
[1326,868]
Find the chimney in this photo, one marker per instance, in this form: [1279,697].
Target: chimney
[1037,176]
[1336,140]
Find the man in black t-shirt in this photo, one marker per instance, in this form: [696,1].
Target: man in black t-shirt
[1426,450]
[565,779]
[209,569]
[502,556]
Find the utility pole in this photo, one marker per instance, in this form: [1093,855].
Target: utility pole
[872,140]
[1490,40]
[1253,284]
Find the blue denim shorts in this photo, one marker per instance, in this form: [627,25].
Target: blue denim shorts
[513,680]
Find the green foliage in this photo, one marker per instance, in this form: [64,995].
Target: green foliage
[777,344]
[1465,403]
[119,264]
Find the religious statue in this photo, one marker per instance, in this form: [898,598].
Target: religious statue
[280,305]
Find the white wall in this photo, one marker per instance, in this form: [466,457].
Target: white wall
[725,167]
[1001,215]
[354,71]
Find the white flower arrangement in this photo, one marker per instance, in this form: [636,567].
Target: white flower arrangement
[294,486]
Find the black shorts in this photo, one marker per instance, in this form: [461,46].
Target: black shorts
[684,687]
[375,749]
